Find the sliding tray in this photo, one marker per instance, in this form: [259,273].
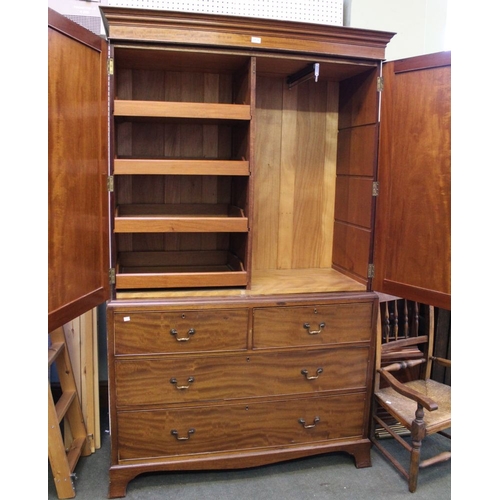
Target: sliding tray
[186,218]
[180,269]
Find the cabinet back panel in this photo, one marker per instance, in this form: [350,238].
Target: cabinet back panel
[172,241]
[295,163]
[173,189]
[156,85]
[176,140]
[177,59]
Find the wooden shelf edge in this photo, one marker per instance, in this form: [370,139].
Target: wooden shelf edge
[127,166]
[198,110]
[181,280]
[181,225]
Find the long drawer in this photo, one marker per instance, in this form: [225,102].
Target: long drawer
[157,433]
[312,325]
[167,380]
[180,331]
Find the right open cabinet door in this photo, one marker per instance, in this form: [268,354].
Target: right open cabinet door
[412,249]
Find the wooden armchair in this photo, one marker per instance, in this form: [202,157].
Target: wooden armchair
[406,400]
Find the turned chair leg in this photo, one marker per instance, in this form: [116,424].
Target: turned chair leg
[417,435]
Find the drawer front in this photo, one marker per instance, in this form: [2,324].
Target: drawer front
[312,325]
[169,380]
[162,433]
[180,331]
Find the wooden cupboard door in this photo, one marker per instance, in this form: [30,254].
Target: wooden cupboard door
[412,251]
[78,245]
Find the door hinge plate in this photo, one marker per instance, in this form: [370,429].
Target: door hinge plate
[112,276]
[380,83]
[371,270]
[111,66]
[111,184]
[375,188]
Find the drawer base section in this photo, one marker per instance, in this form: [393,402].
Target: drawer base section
[121,475]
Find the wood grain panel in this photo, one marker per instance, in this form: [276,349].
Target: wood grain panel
[413,208]
[295,146]
[336,324]
[204,111]
[181,167]
[239,426]
[351,250]
[357,149]
[329,181]
[268,124]
[210,378]
[190,277]
[206,330]
[226,31]
[359,100]
[353,203]
[78,260]
[309,150]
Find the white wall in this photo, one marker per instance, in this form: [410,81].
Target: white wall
[420,24]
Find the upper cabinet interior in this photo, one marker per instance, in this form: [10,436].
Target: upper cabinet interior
[182,127]
[231,169]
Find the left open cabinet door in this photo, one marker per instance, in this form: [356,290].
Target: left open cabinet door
[78,225]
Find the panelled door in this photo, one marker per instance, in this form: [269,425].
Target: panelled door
[412,251]
[78,246]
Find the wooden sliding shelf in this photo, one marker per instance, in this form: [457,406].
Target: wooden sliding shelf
[127,166]
[185,269]
[179,218]
[204,111]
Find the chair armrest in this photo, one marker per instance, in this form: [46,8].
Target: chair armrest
[402,389]
[442,361]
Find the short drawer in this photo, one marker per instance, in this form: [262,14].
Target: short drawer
[312,325]
[180,331]
[162,433]
[168,380]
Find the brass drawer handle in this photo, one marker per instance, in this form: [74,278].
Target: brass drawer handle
[174,332]
[310,426]
[173,380]
[307,326]
[176,435]
[319,371]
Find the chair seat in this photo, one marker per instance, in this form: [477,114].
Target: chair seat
[404,408]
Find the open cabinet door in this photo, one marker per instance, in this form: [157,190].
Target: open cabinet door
[412,250]
[78,253]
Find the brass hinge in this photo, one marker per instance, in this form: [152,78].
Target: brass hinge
[371,270]
[112,276]
[111,66]
[375,188]
[111,184]
[380,83]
